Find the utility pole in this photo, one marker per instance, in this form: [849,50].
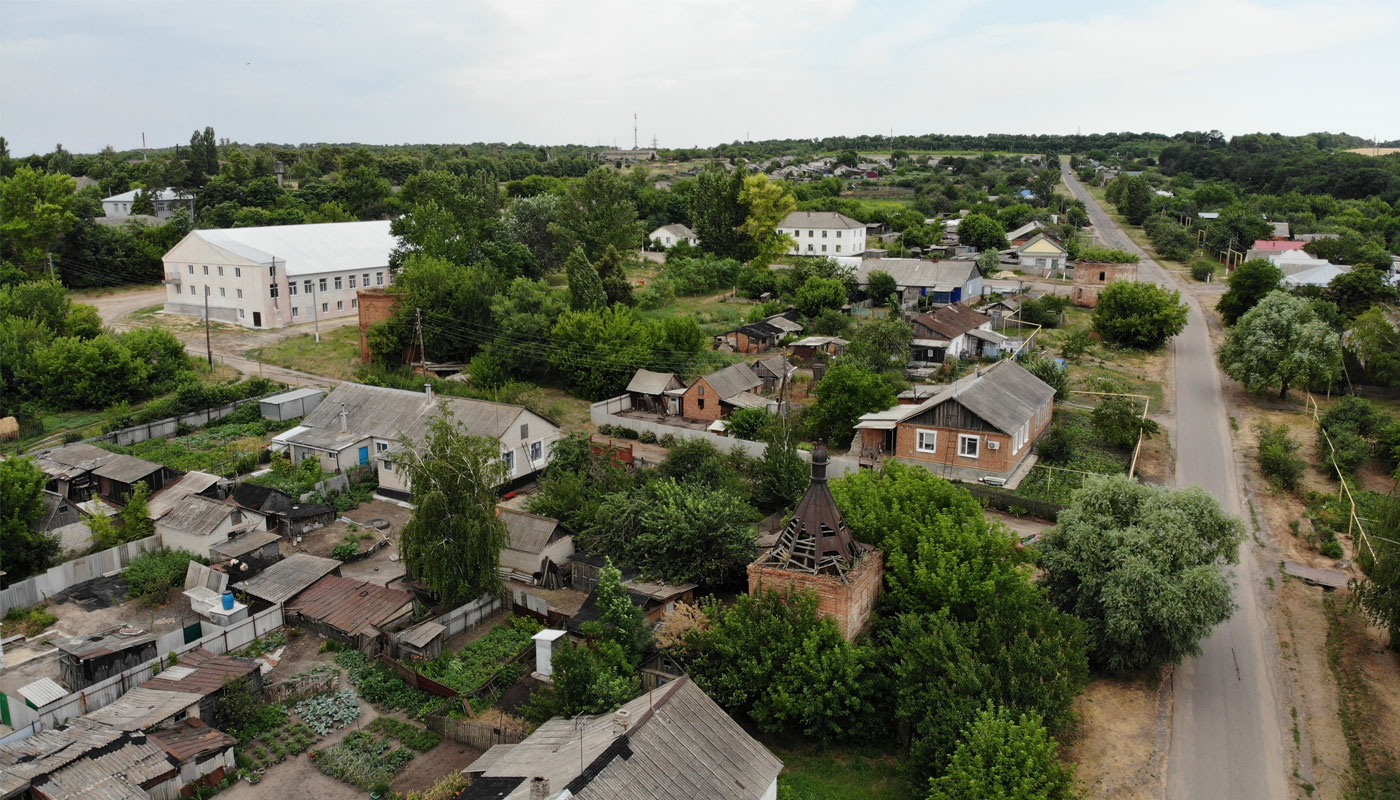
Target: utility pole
[634,130]
[48,257]
[208,347]
[315,312]
[422,351]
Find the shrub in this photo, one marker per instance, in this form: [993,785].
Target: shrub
[1059,443]
[1349,454]
[1356,414]
[1331,548]
[1202,270]
[648,437]
[153,575]
[1278,457]
[1046,370]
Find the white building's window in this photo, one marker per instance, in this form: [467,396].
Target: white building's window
[221,272]
[354,303]
[823,234]
[296,312]
[927,441]
[380,447]
[968,445]
[237,272]
[206,269]
[508,458]
[536,451]
[291,288]
[525,430]
[838,248]
[365,279]
[811,233]
[838,234]
[340,305]
[191,290]
[823,248]
[338,282]
[272,290]
[272,271]
[191,266]
[378,279]
[810,247]
[240,293]
[352,281]
[325,307]
[240,313]
[222,293]
[322,286]
[307,286]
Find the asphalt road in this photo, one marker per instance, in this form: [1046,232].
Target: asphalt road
[116,308]
[1226,737]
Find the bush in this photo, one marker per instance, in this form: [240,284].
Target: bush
[153,575]
[1355,414]
[1278,457]
[1059,443]
[1351,451]
[648,437]
[1057,377]
[1202,270]
[1139,315]
[1330,548]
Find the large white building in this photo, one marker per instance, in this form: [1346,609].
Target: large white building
[824,233]
[279,275]
[166,202]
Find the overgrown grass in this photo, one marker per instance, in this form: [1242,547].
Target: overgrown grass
[227,447]
[28,621]
[1373,773]
[337,355]
[1087,456]
[811,772]
[479,661]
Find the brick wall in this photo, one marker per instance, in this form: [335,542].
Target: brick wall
[1091,276]
[946,451]
[690,402]
[849,602]
[376,305]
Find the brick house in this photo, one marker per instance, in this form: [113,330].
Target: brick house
[979,428]
[816,553]
[1090,277]
[713,396]
[954,331]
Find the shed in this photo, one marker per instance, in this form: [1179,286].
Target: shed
[772,370]
[117,476]
[260,547]
[649,391]
[355,612]
[290,405]
[201,672]
[175,493]
[286,515]
[288,578]
[199,523]
[85,660]
[423,640]
[539,550]
[143,708]
[42,692]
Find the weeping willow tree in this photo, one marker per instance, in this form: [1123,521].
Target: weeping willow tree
[453,542]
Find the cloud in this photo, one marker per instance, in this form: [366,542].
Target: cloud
[696,72]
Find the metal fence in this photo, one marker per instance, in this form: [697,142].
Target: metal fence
[1009,501]
[70,573]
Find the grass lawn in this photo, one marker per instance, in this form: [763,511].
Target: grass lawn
[337,355]
[813,772]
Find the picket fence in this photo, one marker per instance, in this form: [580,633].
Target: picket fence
[70,573]
[27,721]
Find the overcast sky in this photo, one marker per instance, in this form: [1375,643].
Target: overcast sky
[88,74]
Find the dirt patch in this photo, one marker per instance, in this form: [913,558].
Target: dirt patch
[508,706]
[426,769]
[1319,749]
[565,601]
[302,654]
[1120,746]
[383,567]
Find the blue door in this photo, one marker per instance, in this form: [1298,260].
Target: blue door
[364,455]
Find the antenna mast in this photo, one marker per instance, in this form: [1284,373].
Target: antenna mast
[634,130]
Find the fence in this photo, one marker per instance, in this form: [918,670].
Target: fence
[606,412]
[27,721]
[297,685]
[1354,525]
[468,616]
[70,573]
[168,427]
[1006,500]
[481,735]
[417,681]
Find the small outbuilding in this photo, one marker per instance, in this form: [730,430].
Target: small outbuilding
[201,523]
[286,515]
[657,392]
[288,578]
[290,405]
[539,551]
[357,613]
[85,660]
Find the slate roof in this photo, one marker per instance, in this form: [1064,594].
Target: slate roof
[72,460]
[952,320]
[142,708]
[289,577]
[174,494]
[677,230]
[1004,395]
[126,469]
[648,382]
[350,606]
[201,515]
[1029,227]
[678,745]
[42,692]
[915,272]
[732,380]
[820,219]
[272,502]
[191,738]
[57,513]
[109,642]
[383,413]
[244,544]
[530,533]
[774,366]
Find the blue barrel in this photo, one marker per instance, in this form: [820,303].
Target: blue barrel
[228,601]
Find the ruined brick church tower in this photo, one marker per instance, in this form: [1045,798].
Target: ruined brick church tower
[816,553]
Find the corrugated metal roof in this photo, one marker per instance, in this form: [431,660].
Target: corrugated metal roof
[295,394]
[732,380]
[160,194]
[112,640]
[42,692]
[422,633]
[191,738]
[820,219]
[774,366]
[202,673]
[202,515]
[245,544]
[285,579]
[349,605]
[71,460]
[47,751]
[913,272]
[383,413]
[174,494]
[530,533]
[85,779]
[747,400]
[952,320]
[126,469]
[303,249]
[648,382]
[142,707]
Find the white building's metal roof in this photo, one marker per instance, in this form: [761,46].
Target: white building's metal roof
[302,249]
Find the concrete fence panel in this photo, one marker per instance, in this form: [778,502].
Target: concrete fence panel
[70,573]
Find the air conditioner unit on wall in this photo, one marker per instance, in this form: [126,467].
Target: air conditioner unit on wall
[993,445]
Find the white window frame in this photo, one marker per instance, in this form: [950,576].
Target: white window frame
[291,288]
[508,458]
[537,445]
[325,307]
[340,305]
[339,285]
[976,441]
[239,293]
[322,285]
[237,272]
[919,435]
[380,447]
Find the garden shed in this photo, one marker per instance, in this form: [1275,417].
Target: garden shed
[290,405]
[354,612]
[85,660]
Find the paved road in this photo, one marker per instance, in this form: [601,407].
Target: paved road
[116,309]
[1226,741]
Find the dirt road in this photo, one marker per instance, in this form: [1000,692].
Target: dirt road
[1226,739]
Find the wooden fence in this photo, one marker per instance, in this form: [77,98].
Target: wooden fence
[71,573]
[418,681]
[298,685]
[1005,500]
[481,735]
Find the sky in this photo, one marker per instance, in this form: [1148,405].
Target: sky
[89,74]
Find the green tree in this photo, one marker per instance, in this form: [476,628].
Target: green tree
[982,232]
[674,531]
[1118,421]
[989,262]
[848,158]
[1137,199]
[451,298]
[144,202]
[1055,376]
[1143,566]
[453,541]
[819,294]
[1139,315]
[620,619]
[203,156]
[1374,341]
[767,204]
[880,284]
[830,322]
[1249,283]
[781,474]
[23,552]
[1075,344]
[1281,343]
[1278,457]
[586,291]
[1005,757]
[597,212]
[599,351]
[753,424]
[881,345]
[136,514]
[1378,595]
[718,214]
[612,274]
[588,679]
[846,392]
[1237,227]
[36,211]
[1359,290]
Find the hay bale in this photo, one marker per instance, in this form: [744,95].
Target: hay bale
[9,429]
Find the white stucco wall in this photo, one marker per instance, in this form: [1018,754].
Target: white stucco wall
[810,241]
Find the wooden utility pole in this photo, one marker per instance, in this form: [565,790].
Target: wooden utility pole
[422,351]
[208,347]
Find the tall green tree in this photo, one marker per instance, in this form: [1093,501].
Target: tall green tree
[844,393]
[1249,283]
[36,211]
[586,292]
[1137,199]
[453,541]
[881,284]
[1144,567]
[1005,757]
[819,294]
[1360,289]
[767,204]
[1374,341]
[982,232]
[620,619]
[23,552]
[1139,315]
[1281,343]
[881,345]
[1378,595]
[718,214]
[1118,421]
[598,212]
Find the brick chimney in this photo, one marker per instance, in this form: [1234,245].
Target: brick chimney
[539,789]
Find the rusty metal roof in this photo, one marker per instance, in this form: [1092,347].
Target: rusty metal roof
[190,739]
[351,606]
[209,672]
